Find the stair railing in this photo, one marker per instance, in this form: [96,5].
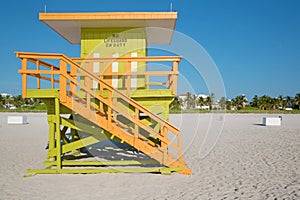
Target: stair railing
[68,71]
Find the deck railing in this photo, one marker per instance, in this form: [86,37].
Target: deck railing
[106,73]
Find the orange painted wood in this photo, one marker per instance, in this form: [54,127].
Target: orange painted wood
[110,123]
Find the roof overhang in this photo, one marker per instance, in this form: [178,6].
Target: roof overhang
[69,25]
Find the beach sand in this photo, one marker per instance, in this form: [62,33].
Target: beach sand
[248,161]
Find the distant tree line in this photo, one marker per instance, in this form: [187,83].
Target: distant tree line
[18,101]
[264,102]
[192,101]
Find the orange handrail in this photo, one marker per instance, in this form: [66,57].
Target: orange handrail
[71,76]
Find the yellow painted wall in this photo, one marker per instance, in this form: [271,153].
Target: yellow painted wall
[107,42]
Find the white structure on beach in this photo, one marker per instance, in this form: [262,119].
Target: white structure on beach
[183,99]
[4,95]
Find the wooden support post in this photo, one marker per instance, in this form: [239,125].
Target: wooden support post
[51,143]
[128,78]
[136,127]
[147,82]
[88,83]
[109,110]
[179,143]
[39,76]
[164,147]
[24,78]
[173,85]
[63,81]
[74,135]
[114,104]
[52,77]
[58,134]
[101,77]
[74,75]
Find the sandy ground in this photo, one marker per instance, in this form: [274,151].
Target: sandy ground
[248,161]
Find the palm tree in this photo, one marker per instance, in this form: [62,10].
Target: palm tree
[175,104]
[297,101]
[274,103]
[228,104]
[190,101]
[239,101]
[254,101]
[288,102]
[200,101]
[222,103]
[18,101]
[209,102]
[280,101]
[1,100]
[7,99]
[267,103]
[212,96]
[263,102]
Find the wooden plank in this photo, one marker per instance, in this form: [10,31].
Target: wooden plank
[42,93]
[63,81]
[103,163]
[131,59]
[103,170]
[75,145]
[24,78]
[58,134]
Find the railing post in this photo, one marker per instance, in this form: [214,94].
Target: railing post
[109,110]
[128,78]
[52,77]
[39,75]
[63,81]
[179,145]
[73,75]
[173,78]
[136,118]
[147,82]
[164,147]
[24,78]
[101,77]
[88,83]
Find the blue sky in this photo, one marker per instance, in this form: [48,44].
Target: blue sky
[254,43]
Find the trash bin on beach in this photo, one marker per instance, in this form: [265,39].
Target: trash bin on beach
[17,120]
[272,121]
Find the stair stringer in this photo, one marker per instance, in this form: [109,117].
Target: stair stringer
[159,154]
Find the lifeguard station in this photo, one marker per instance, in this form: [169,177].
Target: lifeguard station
[108,110]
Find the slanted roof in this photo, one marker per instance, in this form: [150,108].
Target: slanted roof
[69,25]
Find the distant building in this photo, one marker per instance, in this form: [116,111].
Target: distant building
[204,96]
[183,99]
[5,95]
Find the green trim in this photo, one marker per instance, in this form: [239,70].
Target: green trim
[103,170]
[152,93]
[42,93]
[58,134]
[102,163]
[75,145]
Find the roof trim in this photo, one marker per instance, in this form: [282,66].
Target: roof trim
[107,16]
[68,25]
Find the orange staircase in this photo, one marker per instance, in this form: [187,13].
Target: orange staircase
[107,107]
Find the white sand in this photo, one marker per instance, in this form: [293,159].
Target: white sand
[248,161]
